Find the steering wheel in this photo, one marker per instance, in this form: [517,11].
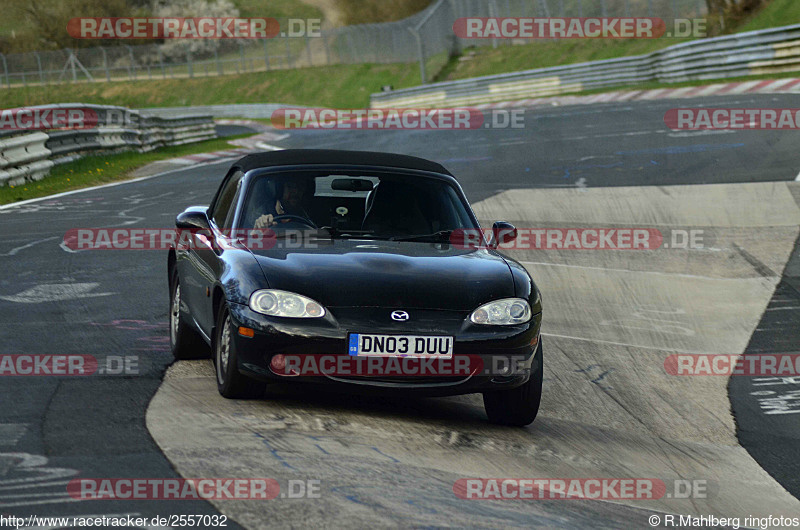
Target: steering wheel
[297,218]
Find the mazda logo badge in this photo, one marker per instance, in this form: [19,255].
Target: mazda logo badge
[400,316]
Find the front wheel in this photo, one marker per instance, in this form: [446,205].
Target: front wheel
[230,382]
[184,341]
[516,406]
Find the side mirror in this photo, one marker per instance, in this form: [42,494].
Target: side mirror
[193,218]
[502,233]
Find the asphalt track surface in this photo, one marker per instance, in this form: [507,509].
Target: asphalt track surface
[393,462]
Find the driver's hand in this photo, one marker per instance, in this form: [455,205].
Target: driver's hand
[265,221]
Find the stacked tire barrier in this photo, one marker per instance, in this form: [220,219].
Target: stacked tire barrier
[29,155]
[771,51]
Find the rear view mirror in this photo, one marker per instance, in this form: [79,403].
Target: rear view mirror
[194,218]
[502,233]
[353,185]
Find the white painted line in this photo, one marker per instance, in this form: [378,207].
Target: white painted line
[585,339]
[679,92]
[629,95]
[653,94]
[269,147]
[775,85]
[109,185]
[709,90]
[14,251]
[183,161]
[744,87]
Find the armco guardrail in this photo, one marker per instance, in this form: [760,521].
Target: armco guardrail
[768,51]
[29,155]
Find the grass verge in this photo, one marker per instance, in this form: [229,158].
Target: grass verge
[101,169]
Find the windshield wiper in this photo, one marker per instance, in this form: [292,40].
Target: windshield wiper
[441,236]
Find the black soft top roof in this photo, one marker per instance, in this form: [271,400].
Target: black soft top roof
[290,157]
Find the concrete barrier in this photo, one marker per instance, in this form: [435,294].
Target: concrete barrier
[29,155]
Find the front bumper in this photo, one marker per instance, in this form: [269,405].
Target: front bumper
[507,353]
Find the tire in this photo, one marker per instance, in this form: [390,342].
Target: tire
[516,406]
[185,342]
[230,382]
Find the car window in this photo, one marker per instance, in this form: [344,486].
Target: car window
[225,200]
[228,224]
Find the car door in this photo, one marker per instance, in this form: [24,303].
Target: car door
[206,254]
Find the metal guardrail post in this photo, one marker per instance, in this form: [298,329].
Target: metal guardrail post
[266,54]
[133,61]
[241,57]
[189,63]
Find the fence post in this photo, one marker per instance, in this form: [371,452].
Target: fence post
[105,63]
[288,52]
[327,48]
[39,64]
[421,54]
[266,54]
[189,63]
[492,14]
[216,60]
[133,61]
[5,71]
[161,64]
[241,57]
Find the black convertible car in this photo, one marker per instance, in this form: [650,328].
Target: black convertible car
[351,256]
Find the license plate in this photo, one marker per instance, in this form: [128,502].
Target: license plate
[401,345]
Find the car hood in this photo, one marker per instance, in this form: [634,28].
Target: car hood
[397,275]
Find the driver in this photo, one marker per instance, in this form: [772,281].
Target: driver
[293,201]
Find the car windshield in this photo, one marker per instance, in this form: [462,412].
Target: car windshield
[352,205]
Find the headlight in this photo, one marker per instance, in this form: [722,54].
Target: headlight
[284,304]
[502,312]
